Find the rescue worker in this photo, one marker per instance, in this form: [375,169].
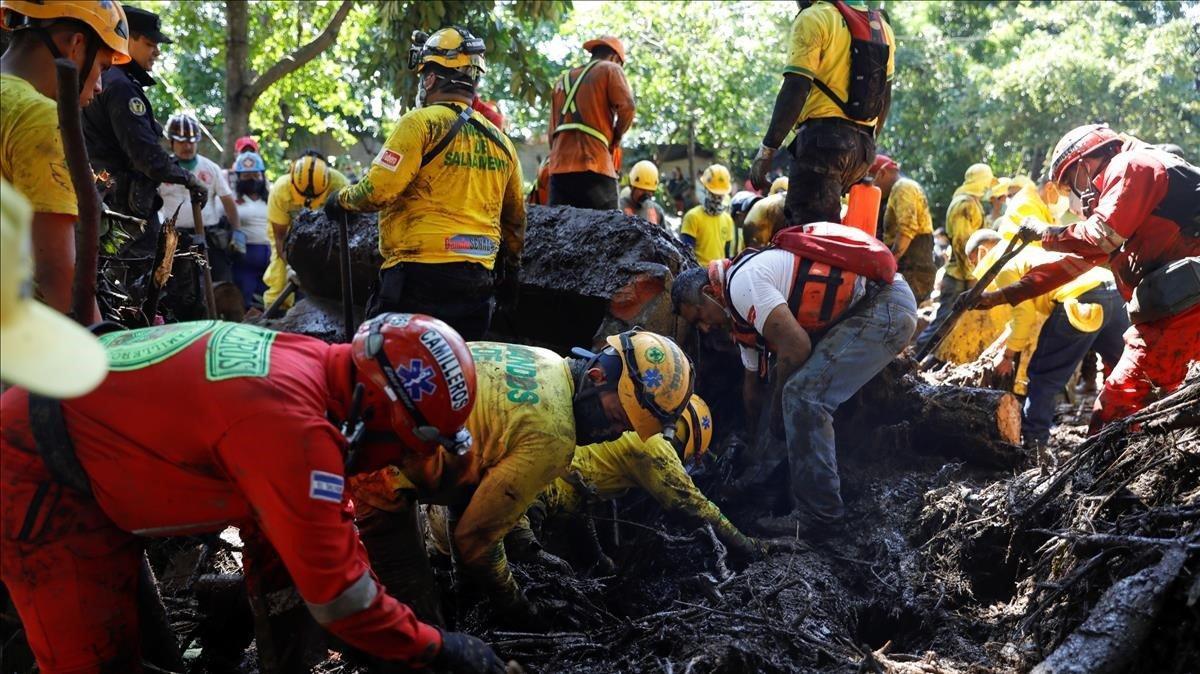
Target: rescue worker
[183,132]
[708,228]
[268,458]
[1083,314]
[835,339]
[448,187]
[764,219]
[739,208]
[964,216]
[123,135]
[591,108]
[607,470]
[93,37]
[835,124]
[907,227]
[308,183]
[533,407]
[1140,214]
[997,199]
[638,198]
[40,349]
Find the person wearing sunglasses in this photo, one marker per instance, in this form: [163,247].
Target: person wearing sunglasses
[221,424]
[532,408]
[1141,206]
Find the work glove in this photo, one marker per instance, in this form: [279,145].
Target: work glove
[463,653]
[988,299]
[761,166]
[749,548]
[333,207]
[197,192]
[558,564]
[1031,230]
[508,286]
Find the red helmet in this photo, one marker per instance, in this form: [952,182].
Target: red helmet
[1077,144]
[419,369]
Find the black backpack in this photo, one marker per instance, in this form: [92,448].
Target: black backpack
[869,50]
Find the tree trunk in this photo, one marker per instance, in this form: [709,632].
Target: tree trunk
[237,110]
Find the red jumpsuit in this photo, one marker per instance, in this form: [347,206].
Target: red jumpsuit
[198,426]
[1124,232]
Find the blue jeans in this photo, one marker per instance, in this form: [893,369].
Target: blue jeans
[1060,349]
[950,288]
[846,358]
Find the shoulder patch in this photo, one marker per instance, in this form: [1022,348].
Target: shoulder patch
[388,159]
[136,106]
[323,486]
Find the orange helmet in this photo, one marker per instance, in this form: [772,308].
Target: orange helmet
[419,370]
[106,19]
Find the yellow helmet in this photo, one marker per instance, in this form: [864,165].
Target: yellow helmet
[656,380]
[455,48]
[694,430]
[780,185]
[309,178]
[716,180]
[644,175]
[107,19]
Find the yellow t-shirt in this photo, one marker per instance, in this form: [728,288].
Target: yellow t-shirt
[282,204]
[31,151]
[459,207]
[713,234]
[964,217]
[907,212]
[819,47]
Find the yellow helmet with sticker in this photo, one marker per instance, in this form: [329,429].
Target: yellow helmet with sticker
[694,430]
[716,180]
[454,48]
[656,380]
[644,175]
[309,179]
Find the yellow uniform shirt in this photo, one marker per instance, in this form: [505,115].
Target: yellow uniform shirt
[819,47]
[964,217]
[282,206]
[714,234]
[31,151]
[612,468]
[1024,204]
[907,212]
[461,206]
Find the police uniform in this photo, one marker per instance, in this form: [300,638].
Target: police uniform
[123,135]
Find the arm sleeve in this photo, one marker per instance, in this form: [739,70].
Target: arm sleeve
[1023,316]
[807,40]
[279,203]
[219,182]
[392,169]
[690,226]
[296,491]
[504,494]
[512,214]
[620,98]
[1045,277]
[1130,192]
[138,140]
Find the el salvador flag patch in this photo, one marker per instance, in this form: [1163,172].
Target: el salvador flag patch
[324,486]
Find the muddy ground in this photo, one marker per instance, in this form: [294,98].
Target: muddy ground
[943,567]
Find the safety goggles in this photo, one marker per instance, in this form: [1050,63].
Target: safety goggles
[460,443]
[470,46]
[666,417]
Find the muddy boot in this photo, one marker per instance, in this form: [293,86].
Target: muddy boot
[798,524]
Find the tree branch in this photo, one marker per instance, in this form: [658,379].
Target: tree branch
[305,53]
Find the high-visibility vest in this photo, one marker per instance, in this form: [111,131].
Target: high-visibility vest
[570,110]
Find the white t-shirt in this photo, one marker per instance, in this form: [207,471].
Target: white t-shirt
[252,216]
[762,282]
[212,177]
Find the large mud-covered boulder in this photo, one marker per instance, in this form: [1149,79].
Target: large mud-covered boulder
[585,273]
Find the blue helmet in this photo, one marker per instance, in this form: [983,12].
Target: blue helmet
[249,162]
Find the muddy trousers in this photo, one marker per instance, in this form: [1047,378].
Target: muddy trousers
[1060,349]
[918,267]
[71,573]
[1153,364]
[460,293]
[853,351]
[828,156]
[584,189]
[948,291]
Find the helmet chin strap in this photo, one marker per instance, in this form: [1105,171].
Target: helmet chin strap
[89,57]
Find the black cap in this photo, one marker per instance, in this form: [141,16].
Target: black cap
[146,23]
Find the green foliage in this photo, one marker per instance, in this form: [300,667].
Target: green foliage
[1002,82]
